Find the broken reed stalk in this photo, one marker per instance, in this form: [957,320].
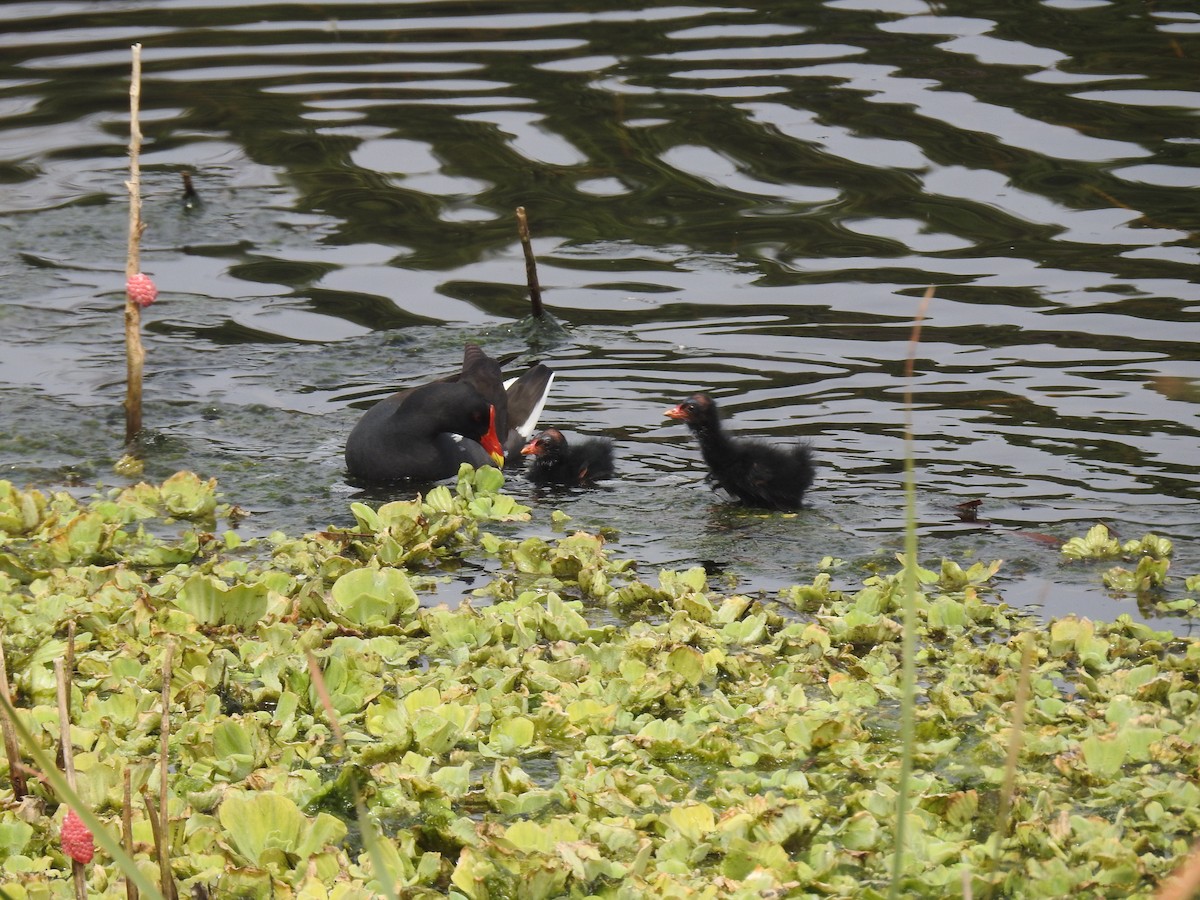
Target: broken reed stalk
[531,276]
[154,815]
[69,666]
[62,676]
[908,651]
[135,354]
[370,834]
[155,822]
[12,750]
[131,891]
[69,655]
[167,879]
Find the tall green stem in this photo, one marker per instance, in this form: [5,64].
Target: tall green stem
[908,677]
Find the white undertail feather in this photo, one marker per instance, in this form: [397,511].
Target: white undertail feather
[526,428]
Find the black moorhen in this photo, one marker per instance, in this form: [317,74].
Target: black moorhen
[425,433]
[757,474]
[556,462]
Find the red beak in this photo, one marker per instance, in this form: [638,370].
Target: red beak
[676,412]
[490,442]
[531,449]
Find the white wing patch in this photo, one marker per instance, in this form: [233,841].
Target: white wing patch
[526,428]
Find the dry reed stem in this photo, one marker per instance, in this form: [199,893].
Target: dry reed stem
[62,676]
[531,276]
[131,891]
[914,340]
[64,722]
[169,891]
[69,655]
[12,749]
[318,680]
[155,822]
[163,842]
[135,354]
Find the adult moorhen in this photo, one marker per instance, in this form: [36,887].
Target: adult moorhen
[556,462]
[425,433]
[755,473]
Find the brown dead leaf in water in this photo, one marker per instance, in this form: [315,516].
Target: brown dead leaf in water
[1048,539]
[1175,388]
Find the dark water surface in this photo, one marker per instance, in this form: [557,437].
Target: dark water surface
[748,199]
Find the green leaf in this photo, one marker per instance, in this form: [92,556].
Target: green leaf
[260,822]
[213,602]
[688,662]
[694,821]
[186,496]
[234,747]
[1104,755]
[472,873]
[82,539]
[1097,544]
[455,781]
[14,836]
[440,500]
[20,511]
[1149,545]
[510,736]
[530,837]
[367,519]
[948,614]
[373,597]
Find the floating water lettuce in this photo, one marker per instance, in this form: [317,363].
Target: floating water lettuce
[269,831]
[1150,573]
[213,602]
[373,597]
[20,511]
[1097,544]
[571,729]
[188,497]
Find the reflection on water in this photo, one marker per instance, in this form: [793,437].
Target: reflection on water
[748,200]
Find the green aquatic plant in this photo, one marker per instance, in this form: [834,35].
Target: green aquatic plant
[573,727]
[1149,578]
[1096,544]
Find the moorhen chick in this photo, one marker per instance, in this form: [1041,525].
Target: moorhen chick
[426,433]
[556,462]
[755,473]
